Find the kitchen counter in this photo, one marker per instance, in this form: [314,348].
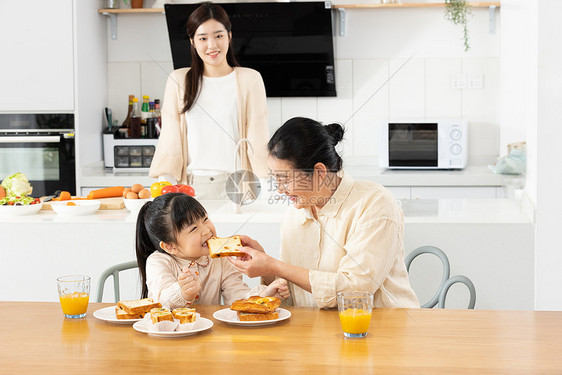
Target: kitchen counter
[478,235]
[475,211]
[95,175]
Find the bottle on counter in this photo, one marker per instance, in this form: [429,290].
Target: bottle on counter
[158,116]
[127,123]
[135,120]
[150,121]
[144,116]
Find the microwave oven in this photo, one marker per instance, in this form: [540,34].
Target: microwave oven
[128,154]
[424,145]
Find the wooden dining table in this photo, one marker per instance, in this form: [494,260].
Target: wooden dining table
[36,339]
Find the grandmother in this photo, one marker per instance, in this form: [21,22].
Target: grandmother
[339,234]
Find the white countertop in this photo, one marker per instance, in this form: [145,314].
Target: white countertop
[95,175]
[470,211]
[472,175]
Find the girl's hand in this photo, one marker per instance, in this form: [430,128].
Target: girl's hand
[254,263]
[189,284]
[278,288]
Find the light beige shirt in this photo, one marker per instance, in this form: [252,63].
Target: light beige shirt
[356,244]
[172,152]
[218,279]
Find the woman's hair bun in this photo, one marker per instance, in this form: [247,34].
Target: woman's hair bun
[336,132]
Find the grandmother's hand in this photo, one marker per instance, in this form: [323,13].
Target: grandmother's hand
[250,242]
[255,263]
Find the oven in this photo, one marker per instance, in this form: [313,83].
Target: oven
[41,146]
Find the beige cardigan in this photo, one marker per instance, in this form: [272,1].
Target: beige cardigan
[172,156]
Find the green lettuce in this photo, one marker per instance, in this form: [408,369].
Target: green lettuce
[17,185]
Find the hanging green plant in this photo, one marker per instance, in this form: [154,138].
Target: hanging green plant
[457,11]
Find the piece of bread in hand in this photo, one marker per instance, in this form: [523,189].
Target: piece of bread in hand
[122,314]
[256,304]
[254,317]
[184,315]
[140,306]
[225,247]
[160,314]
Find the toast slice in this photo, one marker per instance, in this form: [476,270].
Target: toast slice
[122,314]
[184,315]
[160,314]
[225,247]
[141,306]
[256,304]
[254,317]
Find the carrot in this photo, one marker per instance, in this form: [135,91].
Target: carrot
[109,192]
[64,196]
[2,192]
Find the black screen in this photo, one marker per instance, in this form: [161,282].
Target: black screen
[412,145]
[290,44]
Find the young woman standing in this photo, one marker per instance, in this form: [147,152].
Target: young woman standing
[209,109]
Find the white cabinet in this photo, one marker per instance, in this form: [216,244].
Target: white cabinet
[37,56]
[447,192]
[461,192]
[400,192]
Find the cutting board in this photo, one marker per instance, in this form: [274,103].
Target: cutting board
[106,204]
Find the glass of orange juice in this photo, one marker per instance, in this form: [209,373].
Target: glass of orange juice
[74,294]
[355,312]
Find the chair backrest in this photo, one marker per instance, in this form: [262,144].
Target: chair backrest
[446,281]
[114,271]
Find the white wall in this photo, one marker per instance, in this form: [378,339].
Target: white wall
[531,96]
[90,72]
[376,44]
[547,158]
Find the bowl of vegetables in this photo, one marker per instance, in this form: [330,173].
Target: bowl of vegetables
[14,197]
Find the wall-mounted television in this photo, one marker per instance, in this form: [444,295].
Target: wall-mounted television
[290,44]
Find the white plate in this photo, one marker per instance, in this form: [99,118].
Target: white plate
[83,207]
[135,204]
[20,210]
[229,316]
[202,324]
[107,314]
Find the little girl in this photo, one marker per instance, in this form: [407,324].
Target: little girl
[174,261]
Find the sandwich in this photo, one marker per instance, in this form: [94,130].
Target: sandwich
[256,308]
[122,314]
[225,247]
[256,304]
[160,314]
[253,317]
[184,315]
[136,308]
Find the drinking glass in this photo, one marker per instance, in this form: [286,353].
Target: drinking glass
[355,312]
[74,294]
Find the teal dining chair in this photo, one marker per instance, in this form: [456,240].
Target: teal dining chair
[114,271]
[446,281]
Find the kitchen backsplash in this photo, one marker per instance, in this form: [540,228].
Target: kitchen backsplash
[391,64]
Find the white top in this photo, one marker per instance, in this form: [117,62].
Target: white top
[212,126]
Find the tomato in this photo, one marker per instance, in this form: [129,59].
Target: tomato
[156,188]
[169,189]
[186,189]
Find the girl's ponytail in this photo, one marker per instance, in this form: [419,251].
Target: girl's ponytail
[144,247]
